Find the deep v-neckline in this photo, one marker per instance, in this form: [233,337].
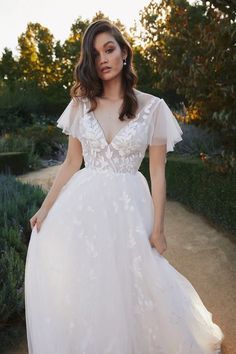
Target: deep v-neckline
[122,128]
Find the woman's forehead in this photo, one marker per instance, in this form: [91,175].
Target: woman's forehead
[103,39]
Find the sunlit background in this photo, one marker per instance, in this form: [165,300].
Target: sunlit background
[186,57]
[58,16]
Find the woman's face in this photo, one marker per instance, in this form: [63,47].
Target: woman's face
[108,56]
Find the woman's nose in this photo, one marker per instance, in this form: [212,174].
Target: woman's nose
[103,58]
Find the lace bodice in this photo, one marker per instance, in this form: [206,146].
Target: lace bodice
[155,124]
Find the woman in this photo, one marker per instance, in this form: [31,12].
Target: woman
[96,281]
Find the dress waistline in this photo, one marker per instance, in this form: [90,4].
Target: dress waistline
[98,170]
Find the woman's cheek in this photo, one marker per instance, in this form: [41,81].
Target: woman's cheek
[118,62]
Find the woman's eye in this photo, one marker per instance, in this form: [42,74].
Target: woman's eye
[109,50]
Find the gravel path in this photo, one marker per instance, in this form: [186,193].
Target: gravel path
[203,254]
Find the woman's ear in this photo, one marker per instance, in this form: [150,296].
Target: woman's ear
[124,53]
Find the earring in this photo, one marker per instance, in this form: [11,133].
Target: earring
[124,62]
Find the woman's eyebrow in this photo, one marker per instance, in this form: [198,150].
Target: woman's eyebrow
[108,43]
[104,45]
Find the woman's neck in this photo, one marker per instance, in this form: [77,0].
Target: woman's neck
[112,90]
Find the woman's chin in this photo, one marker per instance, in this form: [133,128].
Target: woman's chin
[110,77]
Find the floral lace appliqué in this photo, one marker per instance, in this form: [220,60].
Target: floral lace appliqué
[125,152]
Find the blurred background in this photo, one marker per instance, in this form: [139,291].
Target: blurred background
[184,52]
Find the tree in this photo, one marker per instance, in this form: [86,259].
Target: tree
[9,72]
[36,61]
[192,49]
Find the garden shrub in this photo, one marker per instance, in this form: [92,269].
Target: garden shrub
[12,143]
[48,139]
[18,202]
[38,141]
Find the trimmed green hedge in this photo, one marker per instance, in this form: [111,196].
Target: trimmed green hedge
[209,193]
[15,163]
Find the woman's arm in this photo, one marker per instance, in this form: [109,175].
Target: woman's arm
[71,164]
[157,158]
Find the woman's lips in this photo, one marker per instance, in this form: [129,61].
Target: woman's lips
[105,70]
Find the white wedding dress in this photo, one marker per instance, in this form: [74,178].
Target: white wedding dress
[93,283]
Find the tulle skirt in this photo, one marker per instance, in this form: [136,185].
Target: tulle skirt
[94,284]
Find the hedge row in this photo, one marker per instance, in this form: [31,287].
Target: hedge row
[15,163]
[209,193]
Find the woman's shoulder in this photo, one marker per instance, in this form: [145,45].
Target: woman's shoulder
[144,98]
[80,99]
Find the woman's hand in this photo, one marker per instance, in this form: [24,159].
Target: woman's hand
[38,218]
[158,241]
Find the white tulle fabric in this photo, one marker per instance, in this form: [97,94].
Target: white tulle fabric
[93,283]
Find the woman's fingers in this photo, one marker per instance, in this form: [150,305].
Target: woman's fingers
[37,219]
[31,224]
[33,221]
[38,226]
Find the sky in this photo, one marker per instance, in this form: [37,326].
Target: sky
[58,16]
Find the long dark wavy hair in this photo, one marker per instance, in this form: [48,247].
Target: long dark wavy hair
[88,84]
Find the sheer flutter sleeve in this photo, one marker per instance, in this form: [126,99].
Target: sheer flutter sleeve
[164,127]
[69,119]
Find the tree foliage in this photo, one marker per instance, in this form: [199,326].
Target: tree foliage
[192,50]
[187,50]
